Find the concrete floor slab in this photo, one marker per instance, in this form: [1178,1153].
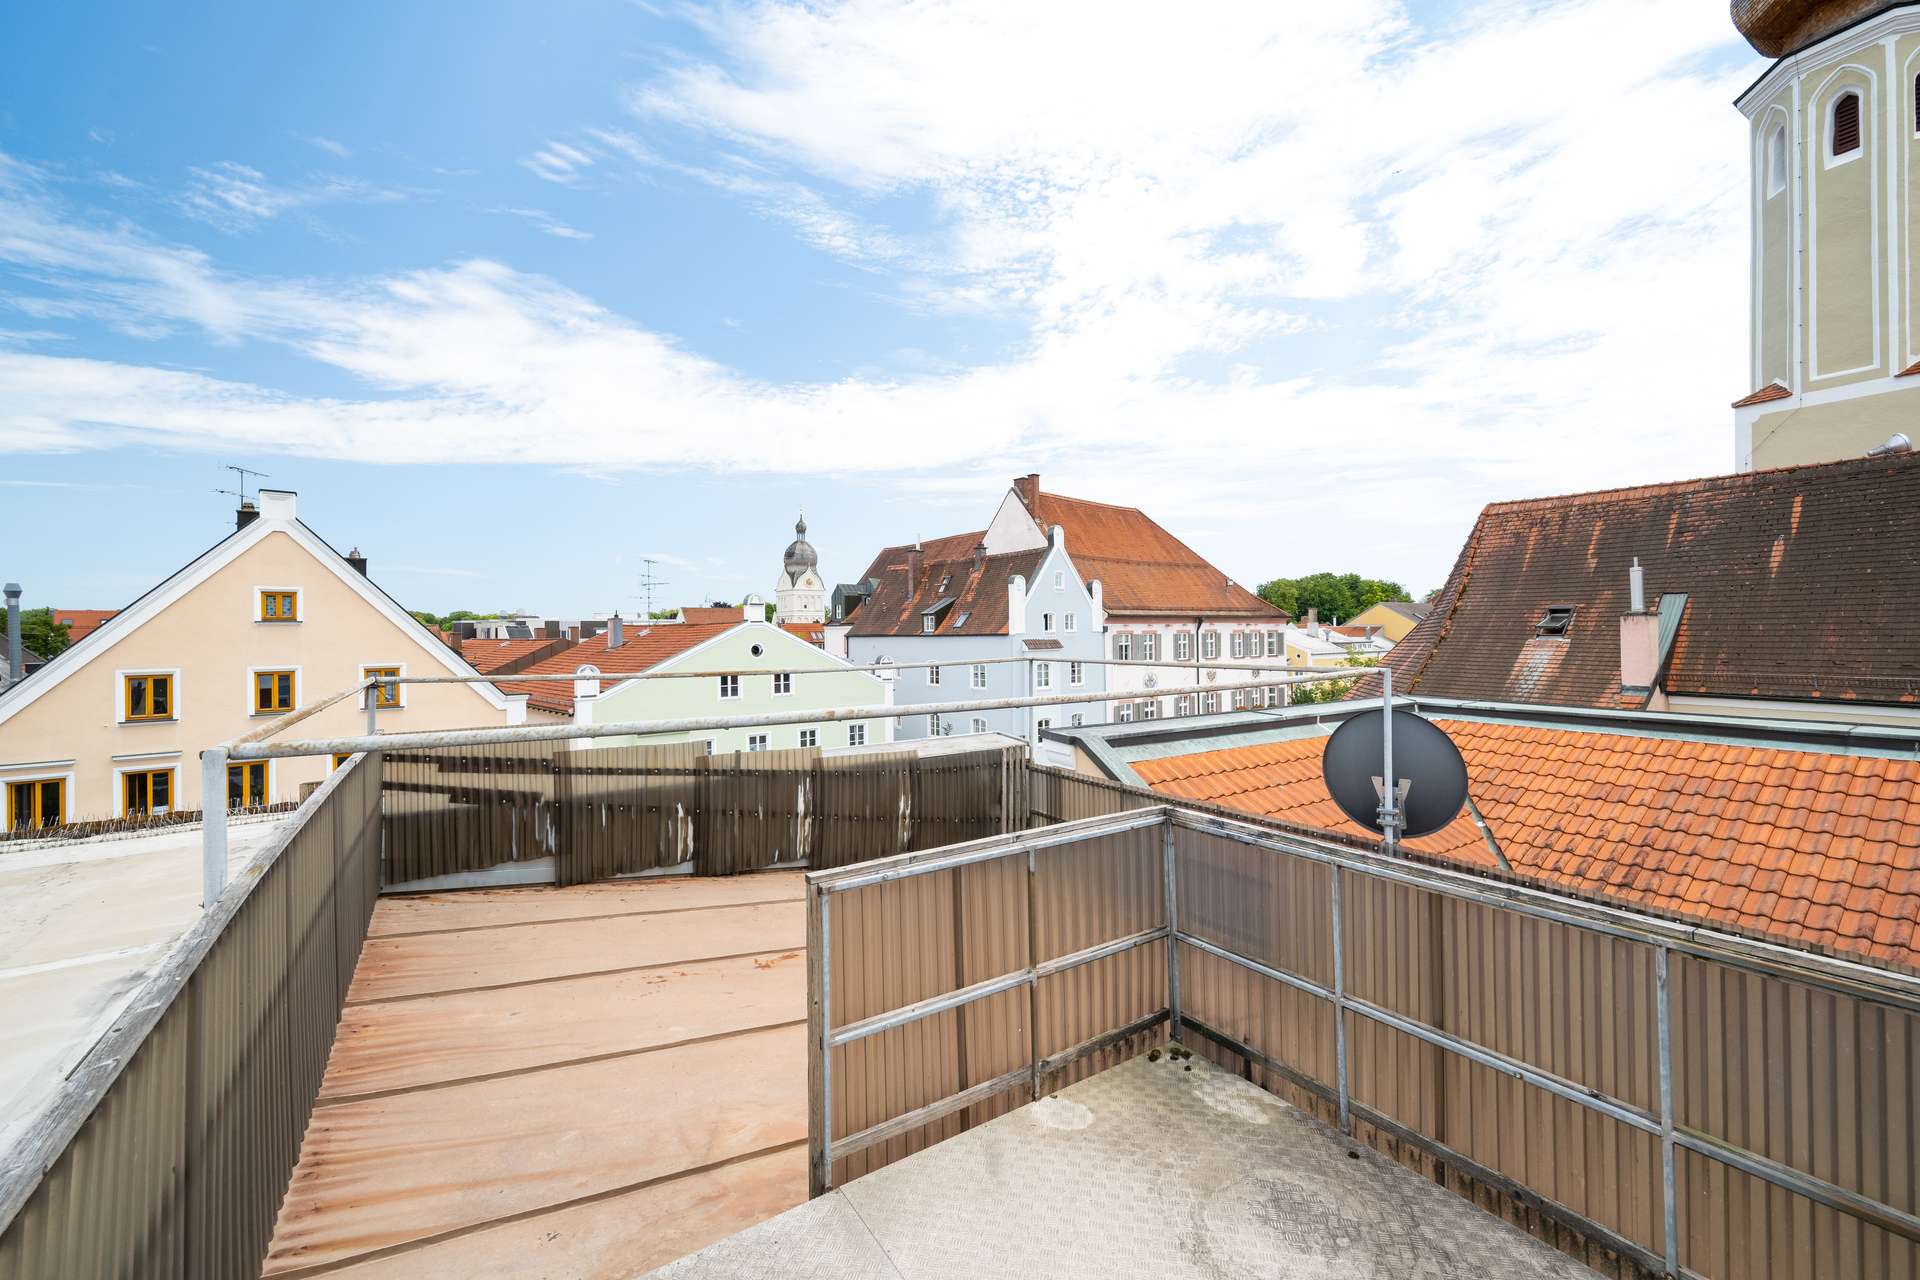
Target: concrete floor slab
[1151,1169]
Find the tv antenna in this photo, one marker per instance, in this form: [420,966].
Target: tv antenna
[648,582]
[242,473]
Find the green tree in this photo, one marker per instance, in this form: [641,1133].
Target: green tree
[40,633]
[1335,595]
[1329,690]
[662,615]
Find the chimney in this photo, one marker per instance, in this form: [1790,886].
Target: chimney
[550,629]
[616,632]
[467,630]
[979,555]
[14,659]
[1313,620]
[245,516]
[358,561]
[453,639]
[278,504]
[1639,638]
[913,569]
[1028,487]
[753,609]
[1016,605]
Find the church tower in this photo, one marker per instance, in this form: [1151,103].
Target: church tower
[799,596]
[1834,143]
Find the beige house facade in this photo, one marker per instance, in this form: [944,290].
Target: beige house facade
[1834,335]
[268,620]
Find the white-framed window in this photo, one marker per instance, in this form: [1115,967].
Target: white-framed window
[1239,699]
[1273,695]
[933,675]
[782,684]
[977,678]
[1209,704]
[1239,644]
[1150,646]
[712,745]
[1273,644]
[1046,622]
[1078,720]
[1043,675]
[1843,128]
[1183,705]
[729,687]
[1209,644]
[1123,712]
[1150,709]
[1182,647]
[856,735]
[1123,645]
[756,742]
[1059,579]
[1069,623]
[1777,155]
[1043,725]
[933,726]
[1076,674]
[979,724]
[928,622]
[809,737]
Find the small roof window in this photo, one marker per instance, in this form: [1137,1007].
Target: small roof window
[960,620]
[1555,621]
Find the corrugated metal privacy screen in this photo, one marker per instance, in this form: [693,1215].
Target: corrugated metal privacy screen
[170,1148]
[1513,1053]
[615,811]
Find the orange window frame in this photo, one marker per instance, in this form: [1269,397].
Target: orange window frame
[384,695]
[247,784]
[279,606]
[274,691]
[33,791]
[155,788]
[149,696]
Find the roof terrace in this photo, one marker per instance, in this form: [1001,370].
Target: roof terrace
[330,1077]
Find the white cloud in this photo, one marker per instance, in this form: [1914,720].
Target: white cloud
[545,222]
[234,197]
[1299,261]
[338,150]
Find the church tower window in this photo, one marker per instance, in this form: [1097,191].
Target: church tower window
[1846,125]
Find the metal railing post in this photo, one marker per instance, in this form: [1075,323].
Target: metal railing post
[1390,819]
[1670,1193]
[822,1179]
[1173,927]
[373,702]
[1340,1012]
[1033,973]
[213,824]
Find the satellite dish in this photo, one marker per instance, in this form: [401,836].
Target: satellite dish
[1430,774]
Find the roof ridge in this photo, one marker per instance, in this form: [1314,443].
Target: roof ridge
[1090,502]
[1726,479]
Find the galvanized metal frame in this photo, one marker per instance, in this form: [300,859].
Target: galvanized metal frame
[1661,937]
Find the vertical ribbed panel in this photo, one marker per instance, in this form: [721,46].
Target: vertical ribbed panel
[179,1168]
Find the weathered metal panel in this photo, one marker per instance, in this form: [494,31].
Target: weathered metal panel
[189,1125]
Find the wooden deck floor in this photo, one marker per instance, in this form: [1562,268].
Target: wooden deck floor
[582,1082]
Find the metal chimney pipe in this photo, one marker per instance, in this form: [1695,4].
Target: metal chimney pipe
[1895,443]
[1637,587]
[14,659]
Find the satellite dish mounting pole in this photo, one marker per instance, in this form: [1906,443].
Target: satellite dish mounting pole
[1390,820]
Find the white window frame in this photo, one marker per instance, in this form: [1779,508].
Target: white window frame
[1078,720]
[299,607]
[928,622]
[1273,695]
[1043,675]
[1209,644]
[1041,726]
[856,735]
[1123,645]
[1239,699]
[979,724]
[399,690]
[1776,160]
[1239,644]
[977,678]
[1826,132]
[1183,704]
[729,688]
[809,737]
[756,742]
[1150,709]
[933,676]
[1059,579]
[1123,713]
[120,694]
[1273,644]
[933,726]
[1182,646]
[1150,646]
[1068,623]
[1046,623]
[786,678]
[1210,704]
[1076,674]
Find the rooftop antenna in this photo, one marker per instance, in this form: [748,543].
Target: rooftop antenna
[648,582]
[1430,776]
[242,473]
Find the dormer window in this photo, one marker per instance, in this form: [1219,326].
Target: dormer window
[927,623]
[944,580]
[1845,133]
[1555,621]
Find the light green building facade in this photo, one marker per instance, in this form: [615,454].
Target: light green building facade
[821,681]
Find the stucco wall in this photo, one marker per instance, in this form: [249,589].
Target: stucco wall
[823,683]
[210,640]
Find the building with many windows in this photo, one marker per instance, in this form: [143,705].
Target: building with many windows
[267,620]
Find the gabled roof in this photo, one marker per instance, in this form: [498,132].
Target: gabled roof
[204,566]
[1143,569]
[978,597]
[491,655]
[643,649]
[1808,847]
[1413,610]
[1765,395]
[1800,584]
[81,623]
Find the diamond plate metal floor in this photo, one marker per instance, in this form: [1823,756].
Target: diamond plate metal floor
[1148,1169]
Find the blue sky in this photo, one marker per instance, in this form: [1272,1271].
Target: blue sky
[518,295]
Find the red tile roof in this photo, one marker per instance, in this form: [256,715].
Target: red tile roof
[978,595]
[645,648]
[1143,569]
[491,655]
[707,614]
[82,623]
[1772,391]
[1833,547]
[814,633]
[1810,848]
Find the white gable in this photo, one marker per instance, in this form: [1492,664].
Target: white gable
[1013,528]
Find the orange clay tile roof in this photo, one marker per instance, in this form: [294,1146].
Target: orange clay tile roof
[979,595]
[1810,848]
[82,623]
[814,633]
[645,648]
[1142,568]
[705,614]
[1772,391]
[1834,546]
[491,655]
